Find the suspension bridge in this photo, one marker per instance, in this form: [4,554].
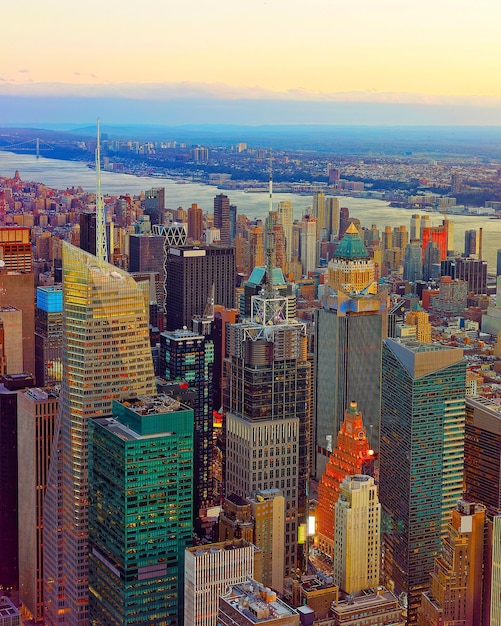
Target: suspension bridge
[32,145]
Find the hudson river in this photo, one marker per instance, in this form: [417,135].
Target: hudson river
[63,174]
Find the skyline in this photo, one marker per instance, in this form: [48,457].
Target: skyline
[426,60]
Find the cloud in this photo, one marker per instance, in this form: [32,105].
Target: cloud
[25,71]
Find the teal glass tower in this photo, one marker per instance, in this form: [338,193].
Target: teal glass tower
[421,459]
[140,511]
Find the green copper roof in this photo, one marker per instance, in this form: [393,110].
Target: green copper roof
[351,246]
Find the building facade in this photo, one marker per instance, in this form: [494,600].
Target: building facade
[140,511]
[106,356]
[422,443]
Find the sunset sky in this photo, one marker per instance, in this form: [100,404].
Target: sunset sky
[444,52]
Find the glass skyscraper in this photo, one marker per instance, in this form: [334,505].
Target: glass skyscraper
[106,356]
[140,511]
[421,458]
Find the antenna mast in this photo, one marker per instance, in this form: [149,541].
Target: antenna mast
[101,247]
[269,235]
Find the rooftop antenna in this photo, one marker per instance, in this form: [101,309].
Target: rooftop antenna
[269,234]
[101,247]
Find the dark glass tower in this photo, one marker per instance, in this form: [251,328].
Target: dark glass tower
[222,217]
[190,273]
[187,356]
[421,458]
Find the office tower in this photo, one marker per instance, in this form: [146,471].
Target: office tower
[452,297]
[420,319]
[400,237]
[209,571]
[308,244]
[222,217]
[154,204]
[106,356]
[190,273]
[334,175]
[267,404]
[421,458]
[474,272]
[279,252]
[17,289]
[9,615]
[319,211]
[48,336]
[286,218]
[195,227]
[9,572]
[11,325]
[413,262]
[147,254]
[357,536]
[456,582]
[15,248]
[387,238]
[344,221]
[37,410]
[353,454]
[449,227]
[431,263]
[456,183]
[255,249]
[140,511]
[331,216]
[369,609]
[482,459]
[222,317]
[349,329]
[351,270]
[415,231]
[268,511]
[438,235]
[249,603]
[189,356]
[235,519]
[233,222]
[88,232]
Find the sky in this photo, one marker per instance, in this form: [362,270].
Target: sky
[431,54]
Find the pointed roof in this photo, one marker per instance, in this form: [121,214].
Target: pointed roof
[351,246]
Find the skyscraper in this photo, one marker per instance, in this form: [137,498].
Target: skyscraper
[331,216]
[37,410]
[154,204]
[413,261]
[421,458]
[457,579]
[190,273]
[210,570]
[352,455]
[106,356]
[349,330]
[189,356]
[267,404]
[309,244]
[286,218]
[140,511]
[195,214]
[222,217]
[48,336]
[357,536]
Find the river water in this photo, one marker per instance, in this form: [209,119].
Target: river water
[63,174]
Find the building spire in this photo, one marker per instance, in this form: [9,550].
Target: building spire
[101,247]
[269,235]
